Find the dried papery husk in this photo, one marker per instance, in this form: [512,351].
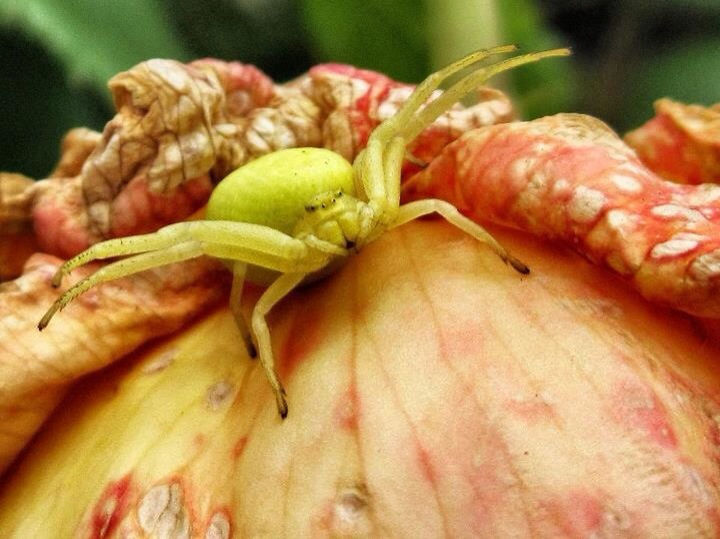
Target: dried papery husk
[681,142]
[570,178]
[17,241]
[101,327]
[432,391]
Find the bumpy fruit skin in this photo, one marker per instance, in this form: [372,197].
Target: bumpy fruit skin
[681,142]
[570,178]
[433,393]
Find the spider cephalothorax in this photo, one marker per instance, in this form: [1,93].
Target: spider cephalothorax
[297,212]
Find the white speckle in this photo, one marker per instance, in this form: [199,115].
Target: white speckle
[541,148]
[219,527]
[673,210]
[536,187]
[521,167]
[626,183]
[284,138]
[256,141]
[706,194]
[218,393]
[706,266]
[161,512]
[585,204]
[546,397]
[631,168]
[350,513]
[226,130]
[560,186]
[392,103]
[615,521]
[263,125]
[697,485]
[620,220]
[679,244]
[160,363]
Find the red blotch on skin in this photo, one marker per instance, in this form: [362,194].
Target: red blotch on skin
[111,508]
[577,514]
[426,465]
[59,219]
[638,407]
[347,409]
[239,447]
[137,209]
[531,410]
[199,440]
[304,336]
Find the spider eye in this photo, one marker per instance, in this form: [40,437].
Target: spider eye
[339,194]
[310,208]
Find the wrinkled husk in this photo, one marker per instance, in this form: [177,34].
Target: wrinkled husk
[681,142]
[432,392]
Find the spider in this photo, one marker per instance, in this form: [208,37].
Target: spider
[298,212]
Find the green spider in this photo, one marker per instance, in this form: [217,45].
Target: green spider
[298,212]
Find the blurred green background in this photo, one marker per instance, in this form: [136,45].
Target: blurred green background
[57,55]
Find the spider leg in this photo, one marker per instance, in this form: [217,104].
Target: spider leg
[377,168]
[246,242]
[128,245]
[121,268]
[415,124]
[424,90]
[252,237]
[239,271]
[450,213]
[324,246]
[274,293]
[380,185]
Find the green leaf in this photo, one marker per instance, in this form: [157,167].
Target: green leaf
[268,34]
[95,39]
[688,72]
[385,36]
[546,87]
[42,106]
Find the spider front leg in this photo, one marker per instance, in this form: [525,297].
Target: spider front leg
[378,165]
[121,268]
[245,243]
[450,213]
[280,288]
[239,271]
[377,168]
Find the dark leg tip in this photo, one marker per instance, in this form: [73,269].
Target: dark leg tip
[282,408]
[281,402]
[56,280]
[520,267]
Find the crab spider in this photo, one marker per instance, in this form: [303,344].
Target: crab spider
[297,211]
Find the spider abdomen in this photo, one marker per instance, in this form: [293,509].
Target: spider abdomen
[274,189]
